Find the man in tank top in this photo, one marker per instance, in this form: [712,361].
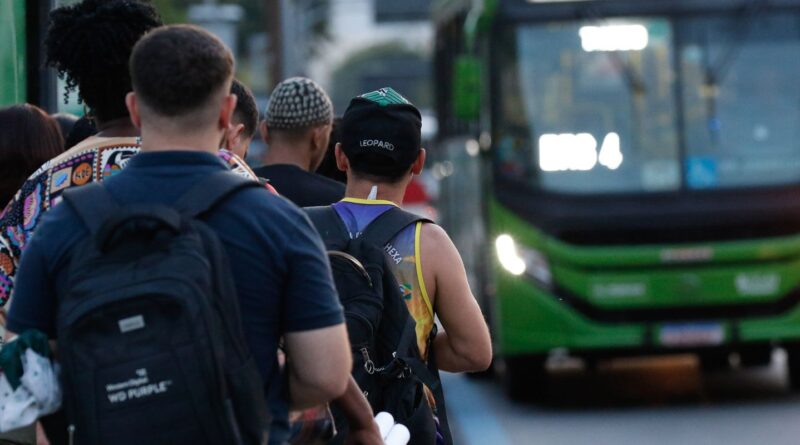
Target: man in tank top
[380,152]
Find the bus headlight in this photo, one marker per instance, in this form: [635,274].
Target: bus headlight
[519,260]
[508,256]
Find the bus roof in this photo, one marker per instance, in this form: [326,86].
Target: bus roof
[525,10]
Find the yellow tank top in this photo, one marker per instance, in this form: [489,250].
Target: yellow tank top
[403,253]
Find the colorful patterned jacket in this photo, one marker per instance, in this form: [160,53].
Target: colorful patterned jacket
[93,159]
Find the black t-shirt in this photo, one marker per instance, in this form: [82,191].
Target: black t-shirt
[301,187]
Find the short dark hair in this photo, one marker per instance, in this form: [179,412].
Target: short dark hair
[246,109]
[28,139]
[89,44]
[176,69]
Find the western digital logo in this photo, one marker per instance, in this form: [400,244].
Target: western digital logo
[377,143]
[136,388]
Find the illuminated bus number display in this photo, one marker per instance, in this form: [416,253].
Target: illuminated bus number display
[578,152]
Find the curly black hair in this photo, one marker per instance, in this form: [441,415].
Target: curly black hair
[89,44]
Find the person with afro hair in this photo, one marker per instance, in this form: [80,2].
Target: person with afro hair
[88,43]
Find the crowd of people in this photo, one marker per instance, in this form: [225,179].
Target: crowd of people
[188,298]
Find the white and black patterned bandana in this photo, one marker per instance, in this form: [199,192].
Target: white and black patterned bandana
[298,102]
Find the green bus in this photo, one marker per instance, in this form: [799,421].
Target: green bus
[22,76]
[622,177]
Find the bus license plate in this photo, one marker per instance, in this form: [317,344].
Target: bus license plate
[686,335]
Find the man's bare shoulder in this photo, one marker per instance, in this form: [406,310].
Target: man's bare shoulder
[438,255]
[433,236]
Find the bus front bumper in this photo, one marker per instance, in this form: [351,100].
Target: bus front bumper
[531,320]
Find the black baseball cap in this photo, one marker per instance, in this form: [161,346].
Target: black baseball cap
[381,133]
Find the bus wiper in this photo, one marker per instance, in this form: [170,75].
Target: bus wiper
[715,74]
[633,80]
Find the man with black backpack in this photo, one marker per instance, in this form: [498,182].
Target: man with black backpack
[297,119]
[391,317]
[167,287]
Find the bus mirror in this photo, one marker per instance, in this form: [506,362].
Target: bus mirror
[467,88]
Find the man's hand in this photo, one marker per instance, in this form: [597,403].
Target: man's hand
[367,435]
[362,427]
[41,437]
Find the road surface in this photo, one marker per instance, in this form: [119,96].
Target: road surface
[645,401]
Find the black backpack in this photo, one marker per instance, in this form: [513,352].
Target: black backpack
[386,360]
[149,331]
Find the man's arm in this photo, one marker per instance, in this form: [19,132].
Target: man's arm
[464,343]
[319,364]
[317,347]
[362,428]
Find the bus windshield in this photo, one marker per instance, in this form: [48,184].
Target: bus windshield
[650,104]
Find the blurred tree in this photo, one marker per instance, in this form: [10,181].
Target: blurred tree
[388,64]
[174,11]
[254,19]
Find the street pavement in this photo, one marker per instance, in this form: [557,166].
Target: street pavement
[643,401]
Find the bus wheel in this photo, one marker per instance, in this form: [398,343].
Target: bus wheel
[793,365]
[525,378]
[713,361]
[760,356]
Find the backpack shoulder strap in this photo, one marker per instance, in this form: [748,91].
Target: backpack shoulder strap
[207,193]
[429,375]
[93,204]
[329,225]
[388,224]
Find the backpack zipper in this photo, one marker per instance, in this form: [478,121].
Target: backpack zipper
[105,298]
[117,295]
[369,365]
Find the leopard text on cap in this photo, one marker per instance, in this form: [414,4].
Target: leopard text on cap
[377,143]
